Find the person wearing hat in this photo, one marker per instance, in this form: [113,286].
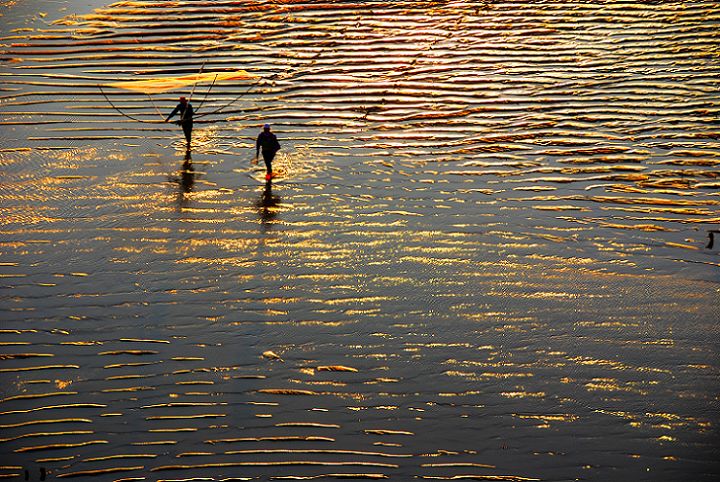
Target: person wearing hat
[186,117]
[267,141]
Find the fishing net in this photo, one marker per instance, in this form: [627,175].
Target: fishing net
[159,85]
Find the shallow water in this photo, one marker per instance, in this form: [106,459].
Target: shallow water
[486,259]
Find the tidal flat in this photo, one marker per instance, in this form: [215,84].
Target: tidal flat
[490,254]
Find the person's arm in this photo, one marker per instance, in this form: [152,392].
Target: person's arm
[257,146]
[175,111]
[277,143]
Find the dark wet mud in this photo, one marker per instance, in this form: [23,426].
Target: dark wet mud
[487,257]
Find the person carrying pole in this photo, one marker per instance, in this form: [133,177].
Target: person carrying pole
[186,117]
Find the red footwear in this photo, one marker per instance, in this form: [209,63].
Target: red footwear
[268,177]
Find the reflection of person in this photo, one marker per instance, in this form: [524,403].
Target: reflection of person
[267,141]
[265,204]
[186,117]
[187,175]
[185,180]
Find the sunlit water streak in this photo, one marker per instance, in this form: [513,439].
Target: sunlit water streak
[486,260]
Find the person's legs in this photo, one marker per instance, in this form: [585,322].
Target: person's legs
[187,129]
[268,158]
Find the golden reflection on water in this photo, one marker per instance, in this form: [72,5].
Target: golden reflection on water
[492,219]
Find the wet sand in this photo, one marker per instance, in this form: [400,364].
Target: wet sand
[486,259]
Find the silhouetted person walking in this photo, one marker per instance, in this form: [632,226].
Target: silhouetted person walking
[267,141]
[711,236]
[186,117]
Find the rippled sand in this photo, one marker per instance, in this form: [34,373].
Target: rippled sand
[487,258]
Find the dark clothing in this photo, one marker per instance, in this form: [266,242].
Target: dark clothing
[267,141]
[185,110]
[268,157]
[186,118]
[187,129]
